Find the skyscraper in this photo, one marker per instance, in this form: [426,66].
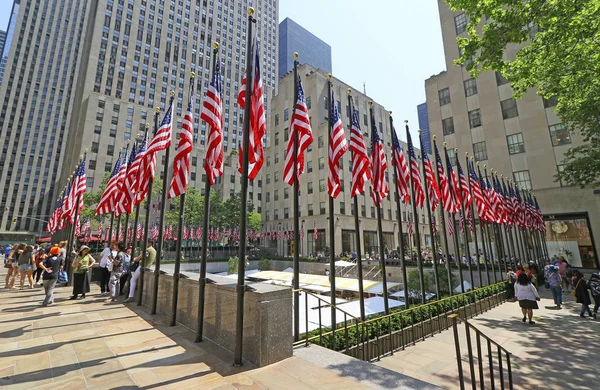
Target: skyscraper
[295,38]
[93,74]
[424,126]
[2,40]
[6,37]
[524,140]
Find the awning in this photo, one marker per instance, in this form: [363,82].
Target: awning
[342,263]
[43,239]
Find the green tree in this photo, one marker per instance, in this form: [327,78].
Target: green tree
[557,52]
[254,221]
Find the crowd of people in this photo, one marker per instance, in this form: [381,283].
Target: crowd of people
[27,264]
[559,276]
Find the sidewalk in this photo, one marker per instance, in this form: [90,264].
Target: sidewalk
[90,343]
[560,351]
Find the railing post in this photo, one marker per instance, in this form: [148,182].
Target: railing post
[461,379]
[491,363]
[480,361]
[306,316]
[509,369]
[500,368]
[470,351]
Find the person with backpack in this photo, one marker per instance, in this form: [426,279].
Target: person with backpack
[51,266]
[554,280]
[580,292]
[594,284]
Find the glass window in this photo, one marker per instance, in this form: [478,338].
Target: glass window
[509,108]
[470,87]
[286,212]
[308,102]
[452,156]
[342,208]
[322,208]
[322,185]
[276,119]
[460,22]
[110,150]
[515,143]
[276,195]
[286,114]
[276,176]
[95,146]
[320,141]
[523,180]
[444,95]
[107,167]
[268,179]
[448,126]
[286,193]
[372,212]
[309,166]
[559,134]
[310,209]
[560,168]
[276,157]
[321,163]
[92,164]
[480,151]
[500,80]
[475,118]
[309,187]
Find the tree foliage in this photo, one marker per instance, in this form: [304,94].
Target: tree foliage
[557,48]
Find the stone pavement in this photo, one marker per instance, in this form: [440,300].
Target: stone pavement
[90,343]
[560,351]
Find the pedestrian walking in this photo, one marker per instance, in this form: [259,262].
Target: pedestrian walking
[554,281]
[81,266]
[595,288]
[580,292]
[39,259]
[26,264]
[134,268]
[116,262]
[125,274]
[51,266]
[562,270]
[104,272]
[511,278]
[11,263]
[527,295]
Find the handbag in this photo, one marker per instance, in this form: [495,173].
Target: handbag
[574,292]
[63,277]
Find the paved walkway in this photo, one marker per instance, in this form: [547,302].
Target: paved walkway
[93,344]
[560,351]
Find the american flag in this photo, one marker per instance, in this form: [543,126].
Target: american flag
[410,227]
[464,190]
[477,192]
[154,232]
[453,184]
[100,229]
[461,222]
[64,214]
[399,163]
[86,226]
[186,232]
[120,181]
[419,193]
[106,204]
[121,233]
[54,218]
[432,187]
[380,187]
[160,141]
[450,225]
[433,228]
[501,209]
[212,115]
[508,205]
[489,198]
[361,165]
[78,188]
[338,145]
[129,230]
[181,163]
[140,231]
[77,227]
[258,126]
[300,125]
[315,232]
[447,201]
[126,192]
[540,216]
[516,204]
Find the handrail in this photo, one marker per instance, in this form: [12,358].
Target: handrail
[482,334]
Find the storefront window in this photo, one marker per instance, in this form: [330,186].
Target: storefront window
[570,236]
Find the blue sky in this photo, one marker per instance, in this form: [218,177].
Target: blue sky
[390,45]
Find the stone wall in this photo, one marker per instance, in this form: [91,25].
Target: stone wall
[267,314]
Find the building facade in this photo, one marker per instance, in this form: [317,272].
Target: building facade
[523,140]
[2,41]
[96,84]
[295,38]
[6,37]
[277,195]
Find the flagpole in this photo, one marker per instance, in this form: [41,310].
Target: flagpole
[508,238]
[118,229]
[416,219]
[241,287]
[465,227]
[400,232]
[146,227]
[502,262]
[443,223]
[71,241]
[489,236]
[359,267]
[483,231]
[161,218]
[134,237]
[457,257]
[474,224]
[296,262]
[112,219]
[430,222]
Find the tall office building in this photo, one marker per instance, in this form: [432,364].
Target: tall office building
[6,37]
[89,74]
[523,140]
[295,38]
[277,198]
[424,126]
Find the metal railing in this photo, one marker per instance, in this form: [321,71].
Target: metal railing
[382,336]
[493,364]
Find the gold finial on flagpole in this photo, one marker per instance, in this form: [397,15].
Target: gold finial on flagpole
[348,91]
[215,45]
[172,93]
[295,55]
[250,11]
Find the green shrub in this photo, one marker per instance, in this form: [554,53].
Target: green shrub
[264,264]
